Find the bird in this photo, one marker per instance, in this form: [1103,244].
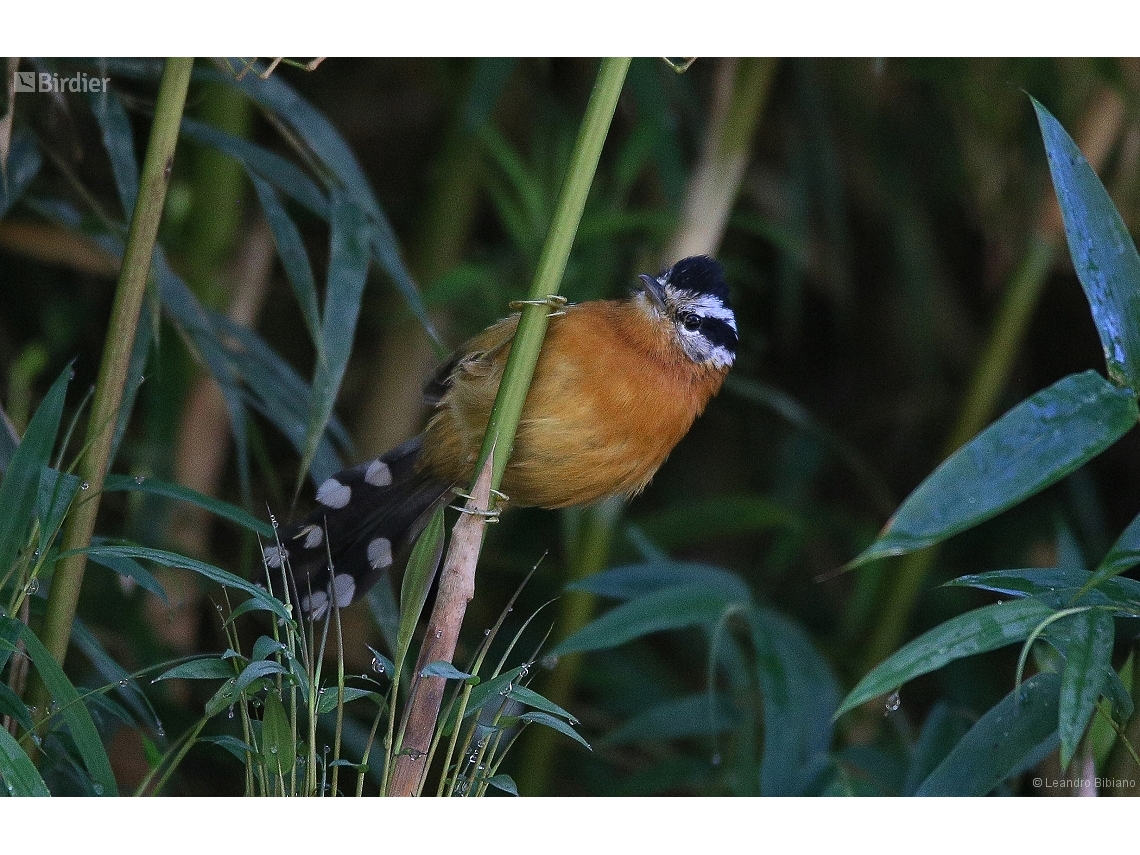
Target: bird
[617,384]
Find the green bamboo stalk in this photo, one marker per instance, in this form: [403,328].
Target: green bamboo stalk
[155,177]
[551,266]
[456,586]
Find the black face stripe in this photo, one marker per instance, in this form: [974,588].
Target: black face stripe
[719,333]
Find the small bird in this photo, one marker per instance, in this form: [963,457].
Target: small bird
[617,384]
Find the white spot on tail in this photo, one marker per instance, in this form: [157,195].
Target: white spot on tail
[378,474]
[316,605]
[333,494]
[343,589]
[380,553]
[314,536]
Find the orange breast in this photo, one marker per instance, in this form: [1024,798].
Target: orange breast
[611,396]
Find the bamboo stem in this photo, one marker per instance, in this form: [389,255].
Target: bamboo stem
[155,177]
[457,580]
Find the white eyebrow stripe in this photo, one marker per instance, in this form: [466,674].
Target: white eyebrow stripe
[712,307]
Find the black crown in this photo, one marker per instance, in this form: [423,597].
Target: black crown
[700,275]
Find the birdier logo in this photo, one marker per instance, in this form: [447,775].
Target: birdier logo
[46,81]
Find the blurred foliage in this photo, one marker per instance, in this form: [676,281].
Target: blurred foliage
[888,211]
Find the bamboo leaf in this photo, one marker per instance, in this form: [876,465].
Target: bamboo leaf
[1103,252]
[19,490]
[1016,733]
[418,576]
[800,695]
[119,142]
[294,257]
[24,162]
[207,571]
[17,771]
[555,723]
[157,487]
[669,608]
[1088,658]
[1034,445]
[73,712]
[278,748]
[978,631]
[199,669]
[347,273]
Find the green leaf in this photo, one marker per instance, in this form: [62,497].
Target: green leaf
[115,674]
[294,257]
[265,647]
[157,487]
[262,164]
[680,606]
[499,686]
[505,783]
[800,695]
[1015,733]
[278,748]
[255,671]
[446,670]
[316,132]
[119,141]
[1122,556]
[232,744]
[941,731]
[978,631]
[1069,587]
[18,772]
[531,698]
[1102,250]
[19,490]
[1034,445]
[207,571]
[199,669]
[11,705]
[56,491]
[128,568]
[72,710]
[418,576]
[555,724]
[677,718]
[225,697]
[24,162]
[344,288]
[1088,656]
[327,700]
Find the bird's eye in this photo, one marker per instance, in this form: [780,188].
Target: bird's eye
[691,322]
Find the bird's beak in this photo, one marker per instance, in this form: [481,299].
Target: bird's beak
[654,289]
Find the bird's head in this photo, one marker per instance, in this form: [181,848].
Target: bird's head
[693,297]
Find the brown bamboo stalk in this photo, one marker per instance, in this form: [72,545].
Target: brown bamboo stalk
[456,590]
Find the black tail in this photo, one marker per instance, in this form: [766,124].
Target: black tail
[367,518]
